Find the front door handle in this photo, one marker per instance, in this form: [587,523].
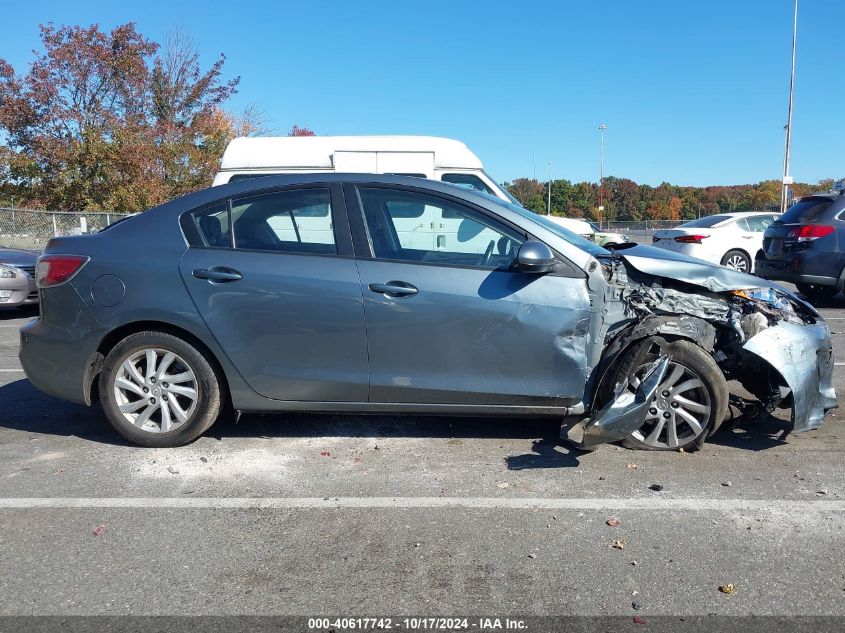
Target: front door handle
[394,289]
[218,274]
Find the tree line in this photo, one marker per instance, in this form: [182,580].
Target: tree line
[625,200]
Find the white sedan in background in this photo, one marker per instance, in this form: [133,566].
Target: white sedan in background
[729,239]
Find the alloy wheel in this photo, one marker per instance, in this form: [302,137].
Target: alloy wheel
[737,262]
[679,411]
[155,390]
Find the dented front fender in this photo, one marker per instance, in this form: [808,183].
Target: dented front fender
[803,356]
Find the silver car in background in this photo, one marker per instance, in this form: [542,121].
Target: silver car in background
[17,278]
[314,293]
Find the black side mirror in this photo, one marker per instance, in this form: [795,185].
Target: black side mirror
[534,257]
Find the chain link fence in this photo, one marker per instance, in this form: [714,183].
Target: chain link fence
[30,230]
[640,231]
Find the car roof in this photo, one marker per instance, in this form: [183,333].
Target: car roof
[316,152]
[274,181]
[743,214]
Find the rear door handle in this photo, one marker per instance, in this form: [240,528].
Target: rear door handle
[394,289]
[218,274]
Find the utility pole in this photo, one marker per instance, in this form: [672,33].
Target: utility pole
[787,179]
[549,204]
[602,128]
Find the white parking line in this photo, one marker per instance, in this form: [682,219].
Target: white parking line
[20,371]
[519,503]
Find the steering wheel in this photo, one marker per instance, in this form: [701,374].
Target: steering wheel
[485,260]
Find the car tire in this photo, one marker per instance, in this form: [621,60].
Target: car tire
[143,405]
[815,291]
[688,363]
[737,260]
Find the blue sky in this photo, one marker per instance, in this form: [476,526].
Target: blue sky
[692,91]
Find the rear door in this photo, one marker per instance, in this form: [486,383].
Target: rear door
[274,279]
[457,325]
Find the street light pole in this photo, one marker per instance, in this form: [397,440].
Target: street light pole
[602,128]
[549,204]
[787,179]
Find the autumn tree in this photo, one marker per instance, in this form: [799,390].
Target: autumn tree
[110,120]
[301,130]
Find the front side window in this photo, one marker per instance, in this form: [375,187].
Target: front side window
[470,181]
[438,231]
[295,221]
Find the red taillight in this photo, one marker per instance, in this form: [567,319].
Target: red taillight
[690,239]
[53,270]
[811,232]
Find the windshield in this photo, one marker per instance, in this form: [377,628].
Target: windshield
[576,240]
[706,222]
[503,189]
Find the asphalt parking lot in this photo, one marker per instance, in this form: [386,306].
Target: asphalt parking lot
[338,515]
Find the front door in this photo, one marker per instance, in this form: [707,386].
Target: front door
[457,325]
[275,282]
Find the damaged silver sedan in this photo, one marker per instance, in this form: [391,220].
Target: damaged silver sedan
[363,293]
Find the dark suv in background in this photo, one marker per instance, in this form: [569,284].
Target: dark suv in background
[806,246]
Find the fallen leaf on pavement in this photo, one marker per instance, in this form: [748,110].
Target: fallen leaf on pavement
[618,545]
[98,530]
[613,522]
[638,620]
[727,589]
[632,466]
[325,454]
[503,484]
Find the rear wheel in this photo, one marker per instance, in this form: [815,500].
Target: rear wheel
[158,390]
[737,260]
[815,291]
[689,404]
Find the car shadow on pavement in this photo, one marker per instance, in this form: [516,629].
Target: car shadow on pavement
[756,433]
[350,425]
[547,453]
[25,312]
[27,409]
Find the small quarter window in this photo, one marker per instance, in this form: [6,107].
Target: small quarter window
[213,225]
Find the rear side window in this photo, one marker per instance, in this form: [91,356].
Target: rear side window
[470,181]
[706,222]
[806,211]
[295,221]
[759,223]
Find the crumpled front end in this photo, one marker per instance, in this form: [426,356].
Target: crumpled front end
[803,356]
[770,341]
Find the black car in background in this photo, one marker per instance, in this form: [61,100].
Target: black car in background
[806,246]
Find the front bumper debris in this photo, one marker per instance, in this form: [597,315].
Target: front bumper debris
[803,356]
[624,414]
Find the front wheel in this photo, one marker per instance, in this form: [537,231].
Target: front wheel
[157,390]
[815,291]
[689,404]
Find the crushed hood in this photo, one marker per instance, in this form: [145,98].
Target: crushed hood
[663,263]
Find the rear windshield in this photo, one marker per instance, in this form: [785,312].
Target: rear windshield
[707,221]
[806,210]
